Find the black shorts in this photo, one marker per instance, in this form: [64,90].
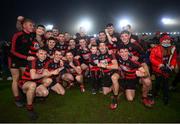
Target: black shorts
[15,62]
[54,82]
[105,80]
[63,72]
[95,74]
[129,83]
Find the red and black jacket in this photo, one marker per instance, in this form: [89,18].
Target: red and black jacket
[34,48]
[21,43]
[157,58]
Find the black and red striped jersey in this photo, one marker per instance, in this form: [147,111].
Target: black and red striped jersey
[69,68]
[128,67]
[107,60]
[134,48]
[73,51]
[114,46]
[21,43]
[50,52]
[94,60]
[51,65]
[84,54]
[62,47]
[36,64]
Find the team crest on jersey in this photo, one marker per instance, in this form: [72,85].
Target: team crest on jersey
[72,71]
[124,68]
[36,46]
[130,48]
[61,47]
[55,66]
[127,64]
[63,52]
[120,61]
[86,56]
[96,61]
[105,62]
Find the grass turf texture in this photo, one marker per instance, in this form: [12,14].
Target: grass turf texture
[85,107]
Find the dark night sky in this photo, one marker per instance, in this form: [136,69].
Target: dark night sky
[65,13]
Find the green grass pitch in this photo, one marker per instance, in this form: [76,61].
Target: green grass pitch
[84,107]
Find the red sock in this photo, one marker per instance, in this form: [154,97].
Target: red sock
[144,97]
[81,86]
[29,107]
[17,98]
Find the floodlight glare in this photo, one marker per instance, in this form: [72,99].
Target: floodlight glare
[124,22]
[168,21]
[49,27]
[85,24]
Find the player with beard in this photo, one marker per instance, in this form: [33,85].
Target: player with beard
[102,37]
[50,48]
[74,72]
[72,47]
[83,54]
[112,36]
[61,45]
[56,64]
[39,40]
[109,78]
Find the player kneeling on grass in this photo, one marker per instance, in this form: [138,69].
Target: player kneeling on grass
[130,71]
[56,65]
[35,81]
[73,71]
[94,69]
[109,79]
[137,54]
[83,55]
